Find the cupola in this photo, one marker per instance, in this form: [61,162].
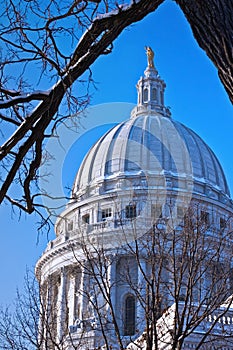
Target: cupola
[150,90]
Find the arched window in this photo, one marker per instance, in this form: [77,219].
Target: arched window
[129,315]
[145,95]
[161,98]
[154,92]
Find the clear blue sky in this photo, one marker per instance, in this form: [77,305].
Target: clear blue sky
[194,93]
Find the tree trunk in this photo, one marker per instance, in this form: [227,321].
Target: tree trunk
[212,25]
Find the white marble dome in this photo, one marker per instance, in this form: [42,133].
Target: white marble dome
[152,144]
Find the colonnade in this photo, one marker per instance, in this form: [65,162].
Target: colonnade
[68,296]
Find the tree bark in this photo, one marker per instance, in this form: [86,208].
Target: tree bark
[212,24]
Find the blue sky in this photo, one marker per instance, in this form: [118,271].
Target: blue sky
[194,93]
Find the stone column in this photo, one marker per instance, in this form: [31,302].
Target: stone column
[95,213]
[82,292]
[61,305]
[44,304]
[71,298]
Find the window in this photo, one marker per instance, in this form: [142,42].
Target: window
[129,315]
[130,211]
[153,97]
[205,218]
[70,226]
[86,219]
[161,98]
[180,212]
[222,224]
[145,95]
[156,211]
[106,213]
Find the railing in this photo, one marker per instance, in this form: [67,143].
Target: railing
[100,225]
[86,324]
[223,320]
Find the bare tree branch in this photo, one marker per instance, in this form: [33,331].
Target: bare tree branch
[89,29]
[96,40]
[35,96]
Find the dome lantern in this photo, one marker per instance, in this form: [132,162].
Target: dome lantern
[150,90]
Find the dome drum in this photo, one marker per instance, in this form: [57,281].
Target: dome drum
[90,217]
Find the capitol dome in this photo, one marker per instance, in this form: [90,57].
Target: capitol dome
[151,144]
[114,155]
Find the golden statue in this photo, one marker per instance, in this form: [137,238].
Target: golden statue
[150,56]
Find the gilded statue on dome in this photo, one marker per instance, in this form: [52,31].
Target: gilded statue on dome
[150,56]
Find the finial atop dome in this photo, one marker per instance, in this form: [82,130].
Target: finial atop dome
[150,57]
[150,90]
